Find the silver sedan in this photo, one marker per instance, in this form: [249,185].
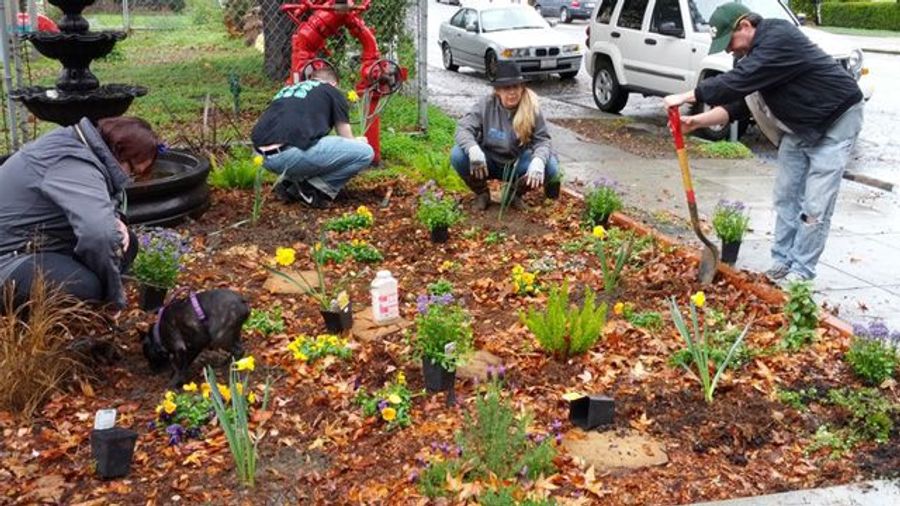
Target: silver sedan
[479,37]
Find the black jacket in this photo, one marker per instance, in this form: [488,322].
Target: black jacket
[803,86]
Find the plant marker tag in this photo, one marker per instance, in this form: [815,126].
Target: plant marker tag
[105,419]
[571,396]
[450,348]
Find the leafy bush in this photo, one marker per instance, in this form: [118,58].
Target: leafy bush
[436,209]
[361,218]
[872,360]
[729,221]
[602,200]
[565,330]
[724,149]
[798,399]
[440,287]
[802,315]
[870,413]
[265,322]
[158,261]
[443,330]
[238,170]
[870,15]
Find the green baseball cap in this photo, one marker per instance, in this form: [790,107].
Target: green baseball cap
[722,24]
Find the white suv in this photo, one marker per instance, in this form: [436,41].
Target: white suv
[660,47]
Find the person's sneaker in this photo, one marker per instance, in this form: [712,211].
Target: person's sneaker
[793,277]
[286,191]
[777,271]
[482,201]
[310,196]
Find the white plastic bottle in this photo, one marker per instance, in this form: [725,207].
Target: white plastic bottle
[385,299]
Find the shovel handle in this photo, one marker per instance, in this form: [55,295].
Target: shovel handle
[675,127]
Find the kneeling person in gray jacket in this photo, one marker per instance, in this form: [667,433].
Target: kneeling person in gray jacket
[504,129]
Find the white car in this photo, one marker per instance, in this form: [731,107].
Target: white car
[660,47]
[481,36]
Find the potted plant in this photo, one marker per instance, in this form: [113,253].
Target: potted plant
[334,304]
[730,224]
[443,337]
[157,265]
[112,451]
[437,212]
[601,201]
[553,185]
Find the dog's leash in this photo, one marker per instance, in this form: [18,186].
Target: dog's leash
[195,304]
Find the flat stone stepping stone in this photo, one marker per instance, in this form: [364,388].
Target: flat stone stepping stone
[615,452]
[365,328]
[278,285]
[477,365]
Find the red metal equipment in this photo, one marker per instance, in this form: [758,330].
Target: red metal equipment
[316,21]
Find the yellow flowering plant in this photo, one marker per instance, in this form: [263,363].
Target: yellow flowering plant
[310,350]
[335,299]
[391,403]
[359,219]
[605,250]
[524,282]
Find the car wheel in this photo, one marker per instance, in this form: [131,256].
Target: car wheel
[447,58]
[568,75]
[718,132]
[537,7]
[564,16]
[608,94]
[490,65]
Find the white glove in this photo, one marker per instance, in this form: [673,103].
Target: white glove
[477,163]
[123,229]
[534,178]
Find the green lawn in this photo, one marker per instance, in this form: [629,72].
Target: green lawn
[859,31]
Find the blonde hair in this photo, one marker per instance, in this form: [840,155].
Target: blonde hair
[526,115]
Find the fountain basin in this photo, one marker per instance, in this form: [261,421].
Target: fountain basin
[176,189]
[64,108]
[75,49]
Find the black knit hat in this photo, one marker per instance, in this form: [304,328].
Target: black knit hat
[507,74]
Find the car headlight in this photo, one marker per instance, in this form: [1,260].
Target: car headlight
[855,62]
[514,52]
[571,48]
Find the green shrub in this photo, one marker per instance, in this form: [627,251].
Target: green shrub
[729,220]
[723,149]
[869,15]
[565,330]
[802,315]
[237,171]
[870,413]
[872,360]
[602,200]
[265,322]
[443,330]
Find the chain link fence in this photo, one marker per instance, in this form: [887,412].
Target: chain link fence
[211,66]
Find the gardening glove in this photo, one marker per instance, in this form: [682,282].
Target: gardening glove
[477,163]
[534,178]
[123,229]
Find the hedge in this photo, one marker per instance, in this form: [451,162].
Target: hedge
[807,7]
[870,15]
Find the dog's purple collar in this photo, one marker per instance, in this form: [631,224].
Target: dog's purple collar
[195,304]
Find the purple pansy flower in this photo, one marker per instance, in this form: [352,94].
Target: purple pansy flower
[176,433]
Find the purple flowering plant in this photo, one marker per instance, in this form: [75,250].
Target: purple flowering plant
[730,220]
[435,209]
[159,258]
[603,199]
[874,354]
[443,330]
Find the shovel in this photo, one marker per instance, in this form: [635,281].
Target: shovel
[709,256]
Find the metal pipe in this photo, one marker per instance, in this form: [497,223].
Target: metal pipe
[422,73]
[17,62]
[7,77]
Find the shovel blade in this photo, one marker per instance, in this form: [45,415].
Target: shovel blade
[709,262]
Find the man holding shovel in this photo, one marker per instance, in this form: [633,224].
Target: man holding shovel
[805,103]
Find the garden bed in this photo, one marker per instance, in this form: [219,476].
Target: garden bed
[316,445]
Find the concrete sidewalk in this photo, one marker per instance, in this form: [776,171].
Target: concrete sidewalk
[869,493]
[857,276]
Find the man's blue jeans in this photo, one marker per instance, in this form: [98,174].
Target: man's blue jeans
[459,159]
[806,189]
[327,165]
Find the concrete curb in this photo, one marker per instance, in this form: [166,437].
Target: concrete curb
[766,292]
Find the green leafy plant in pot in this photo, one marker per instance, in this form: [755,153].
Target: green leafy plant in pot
[157,265]
[443,338]
[603,199]
[730,224]
[438,212]
[552,185]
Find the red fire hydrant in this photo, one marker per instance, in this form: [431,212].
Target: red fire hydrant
[316,21]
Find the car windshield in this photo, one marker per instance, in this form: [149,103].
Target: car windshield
[511,18]
[701,10]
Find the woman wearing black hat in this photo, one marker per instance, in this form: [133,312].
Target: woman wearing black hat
[504,129]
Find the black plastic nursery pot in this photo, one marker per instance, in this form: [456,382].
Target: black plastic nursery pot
[730,252]
[591,411]
[338,322]
[603,221]
[551,189]
[152,297]
[437,379]
[112,451]
[440,234]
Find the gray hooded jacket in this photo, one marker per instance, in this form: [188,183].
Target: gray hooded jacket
[59,194]
[489,125]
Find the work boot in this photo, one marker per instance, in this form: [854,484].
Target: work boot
[482,201]
[521,189]
[482,194]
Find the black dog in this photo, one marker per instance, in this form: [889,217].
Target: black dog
[189,325]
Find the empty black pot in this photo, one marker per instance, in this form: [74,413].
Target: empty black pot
[437,379]
[551,189]
[152,297]
[440,234]
[591,411]
[112,451]
[338,322]
[730,252]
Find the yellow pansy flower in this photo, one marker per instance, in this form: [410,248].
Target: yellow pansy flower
[599,232]
[246,364]
[159,408]
[170,395]
[318,246]
[389,414]
[251,398]
[518,270]
[352,96]
[394,399]
[619,308]
[169,407]
[364,211]
[401,378]
[205,389]
[285,256]
[516,287]
[190,387]
[528,278]
[258,160]
[699,299]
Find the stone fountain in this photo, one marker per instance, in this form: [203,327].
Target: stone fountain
[177,185]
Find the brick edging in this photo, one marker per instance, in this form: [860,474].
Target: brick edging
[766,292]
